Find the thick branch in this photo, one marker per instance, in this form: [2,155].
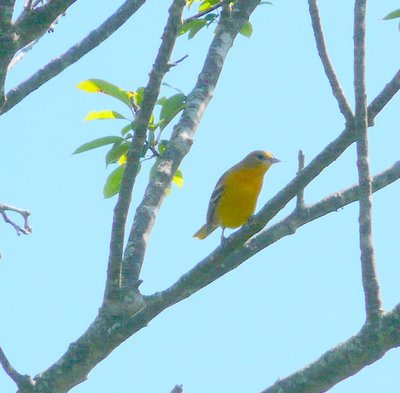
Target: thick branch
[345,360]
[37,21]
[151,93]
[373,302]
[72,55]
[182,136]
[337,90]
[8,44]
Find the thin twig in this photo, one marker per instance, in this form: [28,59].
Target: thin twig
[300,195]
[379,102]
[72,55]
[26,229]
[22,381]
[205,12]
[337,90]
[21,54]
[175,63]
[373,303]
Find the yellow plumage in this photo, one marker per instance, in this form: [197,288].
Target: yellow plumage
[235,196]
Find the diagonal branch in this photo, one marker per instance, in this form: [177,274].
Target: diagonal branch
[34,23]
[383,98]
[181,139]
[72,55]
[337,90]
[373,303]
[222,260]
[160,68]
[22,381]
[345,359]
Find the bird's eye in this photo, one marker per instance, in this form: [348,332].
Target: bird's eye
[261,157]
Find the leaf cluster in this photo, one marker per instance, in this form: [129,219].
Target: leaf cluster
[120,144]
[208,14]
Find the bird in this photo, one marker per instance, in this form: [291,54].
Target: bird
[235,195]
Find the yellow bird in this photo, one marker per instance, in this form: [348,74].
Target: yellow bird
[235,196]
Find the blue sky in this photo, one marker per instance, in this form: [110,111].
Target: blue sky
[278,311]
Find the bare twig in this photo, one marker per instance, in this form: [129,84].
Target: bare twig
[129,274]
[383,98]
[72,55]
[205,12]
[300,195]
[26,229]
[21,54]
[175,63]
[22,381]
[373,303]
[337,90]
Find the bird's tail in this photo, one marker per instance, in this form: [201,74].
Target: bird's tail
[204,231]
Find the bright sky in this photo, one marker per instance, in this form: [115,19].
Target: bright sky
[278,311]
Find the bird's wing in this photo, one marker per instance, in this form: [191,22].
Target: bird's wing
[212,220]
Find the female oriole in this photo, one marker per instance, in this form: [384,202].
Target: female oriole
[235,196]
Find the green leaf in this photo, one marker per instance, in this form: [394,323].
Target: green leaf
[247,29]
[107,140]
[193,27]
[117,151]
[206,4]
[178,178]
[102,86]
[392,15]
[190,2]
[138,96]
[265,2]
[128,128]
[113,182]
[104,115]
[170,108]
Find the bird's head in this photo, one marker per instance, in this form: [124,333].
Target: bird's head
[260,158]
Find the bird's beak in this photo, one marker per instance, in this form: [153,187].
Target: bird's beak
[275,160]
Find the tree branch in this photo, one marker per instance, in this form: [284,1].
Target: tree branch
[34,23]
[22,381]
[23,212]
[300,196]
[373,303]
[182,138]
[345,360]
[383,98]
[226,258]
[72,55]
[337,90]
[108,331]
[132,254]
[205,12]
